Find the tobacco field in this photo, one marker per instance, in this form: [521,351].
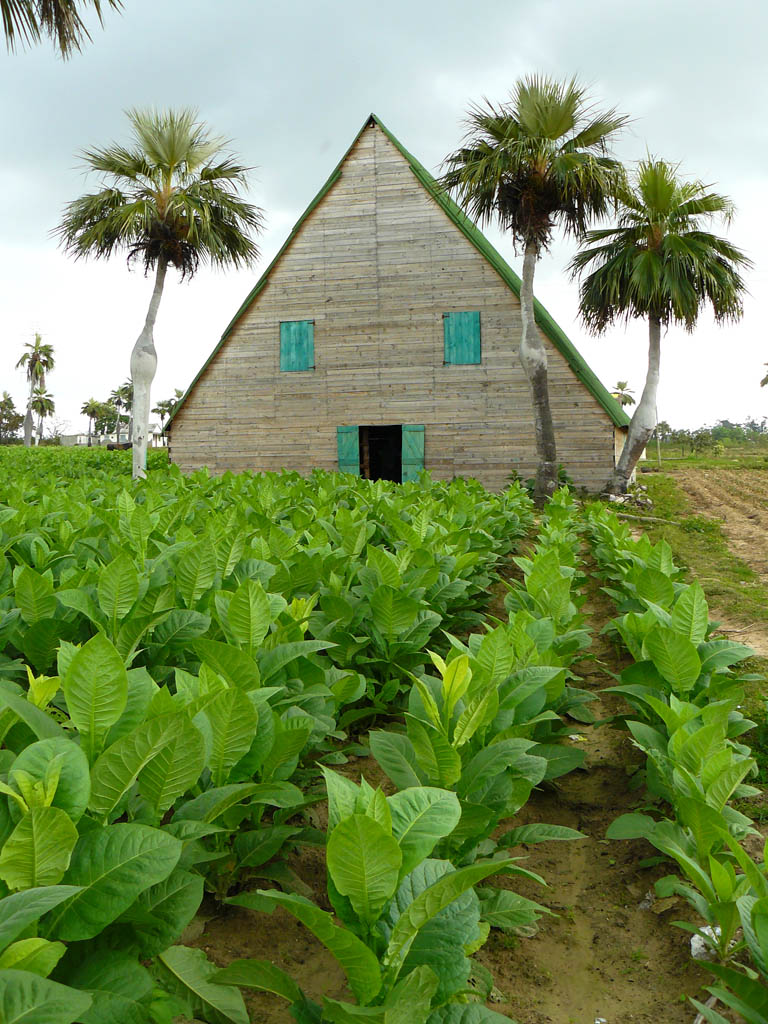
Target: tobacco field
[192,672]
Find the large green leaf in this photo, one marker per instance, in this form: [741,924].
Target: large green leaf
[690,615]
[434,754]
[74,786]
[34,595]
[188,973]
[118,587]
[420,818]
[364,862]
[39,956]
[236,666]
[41,723]
[38,850]
[233,721]
[196,571]
[393,612]
[96,689]
[118,768]
[26,998]
[396,757]
[20,909]
[674,656]
[259,974]
[249,615]
[214,802]
[429,903]
[160,914]
[175,768]
[113,865]
[360,964]
[119,986]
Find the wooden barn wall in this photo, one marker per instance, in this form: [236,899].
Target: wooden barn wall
[375,265]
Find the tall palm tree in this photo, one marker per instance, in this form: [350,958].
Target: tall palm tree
[30,20]
[538,162]
[37,360]
[43,404]
[658,263]
[170,198]
[91,410]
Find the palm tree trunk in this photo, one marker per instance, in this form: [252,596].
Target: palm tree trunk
[29,422]
[40,428]
[643,421]
[90,426]
[143,367]
[533,356]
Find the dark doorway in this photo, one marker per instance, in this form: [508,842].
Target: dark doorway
[381,453]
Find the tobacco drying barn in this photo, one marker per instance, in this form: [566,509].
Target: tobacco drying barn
[383,339]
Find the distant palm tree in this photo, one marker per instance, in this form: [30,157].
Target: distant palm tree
[126,394]
[164,409]
[623,394]
[658,263]
[171,199]
[43,404]
[91,410]
[537,162]
[60,20]
[38,360]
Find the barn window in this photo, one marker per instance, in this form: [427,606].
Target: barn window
[297,345]
[461,338]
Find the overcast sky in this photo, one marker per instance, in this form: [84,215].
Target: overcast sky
[291,83]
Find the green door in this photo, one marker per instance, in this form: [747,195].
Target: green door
[348,447]
[413,450]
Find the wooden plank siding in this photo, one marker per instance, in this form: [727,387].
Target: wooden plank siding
[375,265]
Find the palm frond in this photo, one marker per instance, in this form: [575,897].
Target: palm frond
[537,161]
[658,262]
[173,196]
[27,21]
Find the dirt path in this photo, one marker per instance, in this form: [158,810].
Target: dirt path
[739,499]
[610,955]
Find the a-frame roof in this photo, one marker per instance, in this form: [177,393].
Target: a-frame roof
[552,331]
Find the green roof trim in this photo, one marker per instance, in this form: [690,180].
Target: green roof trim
[552,330]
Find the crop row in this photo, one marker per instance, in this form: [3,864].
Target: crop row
[686,718]
[176,665]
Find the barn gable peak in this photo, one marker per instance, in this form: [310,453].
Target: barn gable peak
[545,322]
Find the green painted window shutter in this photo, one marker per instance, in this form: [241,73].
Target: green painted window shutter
[297,345]
[461,338]
[348,446]
[413,451]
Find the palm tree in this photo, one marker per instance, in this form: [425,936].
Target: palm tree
[164,409]
[659,263]
[125,392]
[91,410]
[43,404]
[623,393]
[30,20]
[171,198]
[537,162]
[764,381]
[38,360]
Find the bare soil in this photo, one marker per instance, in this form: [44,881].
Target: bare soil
[738,500]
